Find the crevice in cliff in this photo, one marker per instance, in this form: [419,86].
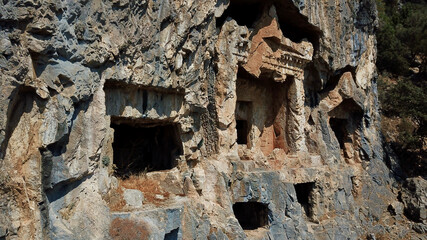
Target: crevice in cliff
[251,215]
[52,158]
[312,85]
[144,146]
[61,189]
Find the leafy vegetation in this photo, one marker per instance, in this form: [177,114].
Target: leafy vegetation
[402,62]
[402,37]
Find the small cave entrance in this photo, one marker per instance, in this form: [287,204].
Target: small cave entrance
[145,147]
[339,128]
[243,121]
[305,193]
[294,25]
[251,215]
[245,13]
[172,235]
[344,121]
[242,131]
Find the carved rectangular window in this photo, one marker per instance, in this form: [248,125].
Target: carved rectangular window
[251,215]
[143,147]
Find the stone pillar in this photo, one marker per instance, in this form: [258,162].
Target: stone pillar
[296,123]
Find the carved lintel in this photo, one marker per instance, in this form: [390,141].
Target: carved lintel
[270,52]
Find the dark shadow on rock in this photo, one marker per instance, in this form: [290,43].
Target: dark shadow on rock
[56,149]
[172,235]
[63,188]
[21,102]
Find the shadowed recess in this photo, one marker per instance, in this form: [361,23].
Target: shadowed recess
[145,147]
[251,215]
[293,24]
[172,235]
[304,193]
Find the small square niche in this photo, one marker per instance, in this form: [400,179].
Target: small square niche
[251,215]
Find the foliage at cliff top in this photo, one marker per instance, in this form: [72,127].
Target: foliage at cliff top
[402,37]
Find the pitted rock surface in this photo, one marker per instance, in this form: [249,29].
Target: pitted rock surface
[197,105]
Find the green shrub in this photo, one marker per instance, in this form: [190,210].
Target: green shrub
[402,36]
[402,61]
[106,161]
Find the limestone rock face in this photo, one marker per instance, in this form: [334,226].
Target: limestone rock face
[223,119]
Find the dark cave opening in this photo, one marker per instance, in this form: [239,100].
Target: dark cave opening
[172,235]
[304,193]
[344,120]
[242,131]
[293,24]
[244,13]
[145,147]
[251,215]
[243,115]
[339,127]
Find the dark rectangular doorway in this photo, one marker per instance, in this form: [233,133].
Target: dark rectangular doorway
[141,147]
[242,131]
[251,215]
[304,193]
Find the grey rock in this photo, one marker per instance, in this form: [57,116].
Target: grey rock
[3,232]
[414,196]
[134,198]
[420,228]
[5,46]
[70,70]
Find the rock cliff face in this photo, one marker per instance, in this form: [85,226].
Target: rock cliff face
[184,119]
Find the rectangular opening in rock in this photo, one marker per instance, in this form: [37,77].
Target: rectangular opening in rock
[242,131]
[145,147]
[263,104]
[339,128]
[243,116]
[251,215]
[304,193]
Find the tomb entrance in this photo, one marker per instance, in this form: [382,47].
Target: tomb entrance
[251,215]
[305,193]
[145,147]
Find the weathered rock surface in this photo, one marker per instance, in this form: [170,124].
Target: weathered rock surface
[414,196]
[270,105]
[133,198]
